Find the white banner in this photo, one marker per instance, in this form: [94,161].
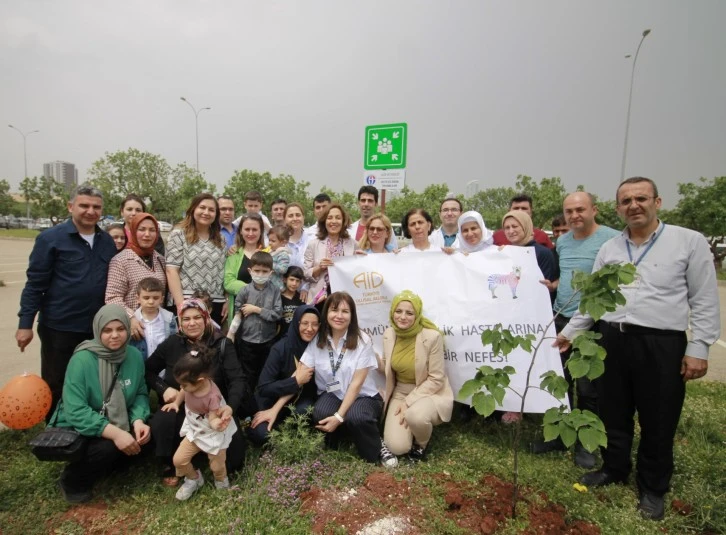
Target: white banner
[463,295]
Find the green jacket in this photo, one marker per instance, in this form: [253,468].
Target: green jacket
[232,285]
[82,396]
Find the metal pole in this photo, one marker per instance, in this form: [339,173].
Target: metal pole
[25,163]
[630,102]
[196,125]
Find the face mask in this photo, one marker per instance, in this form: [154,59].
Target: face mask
[260,279]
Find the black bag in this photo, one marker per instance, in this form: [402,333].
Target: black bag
[63,444]
[59,444]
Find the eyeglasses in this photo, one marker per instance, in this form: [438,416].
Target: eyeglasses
[309,325]
[376,229]
[640,199]
[450,210]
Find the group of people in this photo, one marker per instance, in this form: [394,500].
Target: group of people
[235,319]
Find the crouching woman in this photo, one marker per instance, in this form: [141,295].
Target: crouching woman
[418,394]
[105,368]
[343,359]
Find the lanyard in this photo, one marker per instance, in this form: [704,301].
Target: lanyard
[335,366]
[647,249]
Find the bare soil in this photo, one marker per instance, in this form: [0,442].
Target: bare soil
[387,505]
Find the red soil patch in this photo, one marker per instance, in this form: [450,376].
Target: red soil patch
[93,518]
[483,508]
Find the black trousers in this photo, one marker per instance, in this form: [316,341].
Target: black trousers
[586,389]
[165,427]
[642,373]
[101,458]
[252,358]
[361,422]
[56,350]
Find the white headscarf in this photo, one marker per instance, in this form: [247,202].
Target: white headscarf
[487,237]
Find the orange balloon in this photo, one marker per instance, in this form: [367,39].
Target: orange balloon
[24,401]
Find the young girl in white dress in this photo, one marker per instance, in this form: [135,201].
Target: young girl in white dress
[204,429]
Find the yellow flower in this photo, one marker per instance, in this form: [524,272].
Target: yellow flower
[579,488]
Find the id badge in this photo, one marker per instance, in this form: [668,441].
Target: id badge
[332,387]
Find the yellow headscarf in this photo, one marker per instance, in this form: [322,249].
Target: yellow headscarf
[421,321]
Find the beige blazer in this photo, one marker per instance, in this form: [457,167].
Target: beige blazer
[314,253]
[430,374]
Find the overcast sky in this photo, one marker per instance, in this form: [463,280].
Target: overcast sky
[489,89]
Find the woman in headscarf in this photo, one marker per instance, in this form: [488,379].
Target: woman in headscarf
[519,230]
[138,261]
[195,328]
[99,366]
[418,394]
[280,383]
[473,233]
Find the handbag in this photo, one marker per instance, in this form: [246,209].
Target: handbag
[64,444]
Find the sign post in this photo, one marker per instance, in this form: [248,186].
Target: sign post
[384,157]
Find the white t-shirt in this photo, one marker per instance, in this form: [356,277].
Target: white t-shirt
[88,238]
[362,357]
[411,249]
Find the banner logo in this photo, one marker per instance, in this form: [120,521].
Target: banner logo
[368,280]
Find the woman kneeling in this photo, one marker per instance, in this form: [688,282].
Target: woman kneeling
[342,357]
[418,395]
[104,399]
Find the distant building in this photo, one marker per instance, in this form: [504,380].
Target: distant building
[64,172]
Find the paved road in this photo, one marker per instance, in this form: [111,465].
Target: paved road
[14,260]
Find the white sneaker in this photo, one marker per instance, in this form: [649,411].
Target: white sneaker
[388,459]
[222,485]
[189,487]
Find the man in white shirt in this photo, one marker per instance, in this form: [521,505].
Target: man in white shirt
[320,204]
[447,234]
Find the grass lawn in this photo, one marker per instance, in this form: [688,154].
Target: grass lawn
[18,233]
[267,500]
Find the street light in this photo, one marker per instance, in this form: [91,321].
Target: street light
[630,102]
[196,124]
[25,162]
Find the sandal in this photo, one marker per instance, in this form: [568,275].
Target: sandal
[169,477]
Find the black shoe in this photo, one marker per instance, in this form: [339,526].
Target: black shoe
[417,453]
[74,496]
[651,507]
[540,446]
[600,478]
[584,459]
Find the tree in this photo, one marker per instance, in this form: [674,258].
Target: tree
[133,171]
[52,198]
[28,186]
[492,204]
[6,201]
[280,187]
[701,208]
[599,293]
[429,199]
[547,197]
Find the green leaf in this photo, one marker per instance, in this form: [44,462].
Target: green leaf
[567,433]
[578,367]
[550,431]
[597,368]
[498,393]
[551,416]
[469,388]
[597,311]
[509,370]
[483,403]
[590,438]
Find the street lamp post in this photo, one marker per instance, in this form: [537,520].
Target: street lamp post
[196,124]
[25,162]
[630,102]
